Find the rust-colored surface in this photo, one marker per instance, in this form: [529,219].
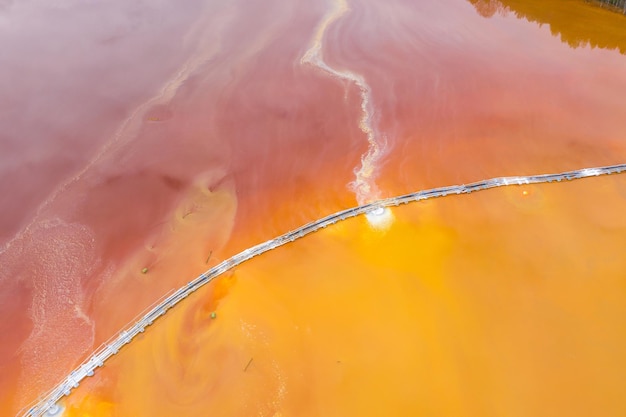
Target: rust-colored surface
[138,151]
[505,302]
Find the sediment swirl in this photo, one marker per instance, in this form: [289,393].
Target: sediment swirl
[364,184]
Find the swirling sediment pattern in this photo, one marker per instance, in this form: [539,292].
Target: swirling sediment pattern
[364,185]
[47,402]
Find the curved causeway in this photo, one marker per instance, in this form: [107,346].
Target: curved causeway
[47,403]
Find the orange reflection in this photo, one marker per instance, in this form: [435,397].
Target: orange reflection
[575,22]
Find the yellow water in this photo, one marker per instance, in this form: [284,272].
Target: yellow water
[503,302]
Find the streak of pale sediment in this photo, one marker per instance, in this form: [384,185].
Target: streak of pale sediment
[364,184]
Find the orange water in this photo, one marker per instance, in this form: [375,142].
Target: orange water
[202,134]
[505,302]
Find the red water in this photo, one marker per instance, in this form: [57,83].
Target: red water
[141,144]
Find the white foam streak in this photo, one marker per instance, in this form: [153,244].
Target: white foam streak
[62,256]
[364,184]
